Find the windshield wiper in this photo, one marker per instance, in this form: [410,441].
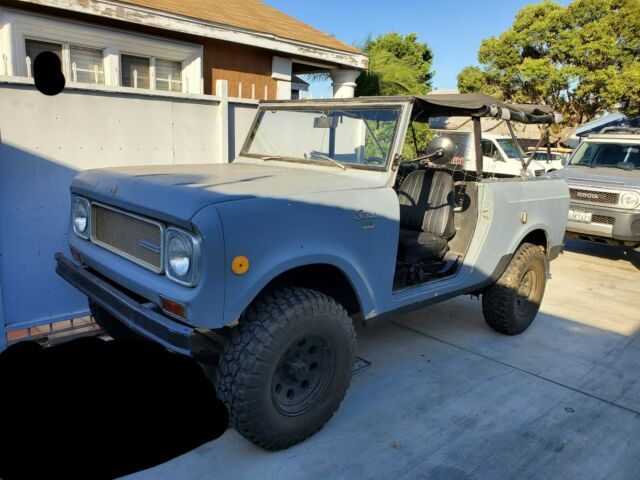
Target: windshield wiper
[324,157]
[273,157]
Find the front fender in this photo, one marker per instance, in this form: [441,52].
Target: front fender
[355,231]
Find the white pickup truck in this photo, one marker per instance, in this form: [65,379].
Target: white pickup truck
[501,155]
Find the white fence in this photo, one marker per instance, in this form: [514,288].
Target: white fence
[45,141]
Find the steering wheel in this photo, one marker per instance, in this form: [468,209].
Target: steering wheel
[374,161]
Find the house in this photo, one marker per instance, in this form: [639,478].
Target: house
[175,46]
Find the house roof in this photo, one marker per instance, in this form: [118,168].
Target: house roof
[252,15]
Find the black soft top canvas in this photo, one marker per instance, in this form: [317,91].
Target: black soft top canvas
[480,105]
[441,105]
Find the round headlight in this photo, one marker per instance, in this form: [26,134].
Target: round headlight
[179,254]
[629,200]
[80,217]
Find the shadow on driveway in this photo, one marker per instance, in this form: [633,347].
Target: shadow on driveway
[608,252]
[93,409]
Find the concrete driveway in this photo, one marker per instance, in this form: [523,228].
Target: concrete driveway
[445,397]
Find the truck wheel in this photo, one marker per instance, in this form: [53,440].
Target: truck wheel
[286,367]
[510,305]
[110,324]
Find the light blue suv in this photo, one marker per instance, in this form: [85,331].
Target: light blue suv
[259,267]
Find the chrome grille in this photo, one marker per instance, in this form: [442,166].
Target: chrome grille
[603,219]
[635,227]
[133,237]
[593,196]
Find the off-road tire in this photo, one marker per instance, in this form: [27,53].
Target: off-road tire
[504,310]
[269,331]
[110,324]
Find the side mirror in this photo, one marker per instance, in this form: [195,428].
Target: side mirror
[440,150]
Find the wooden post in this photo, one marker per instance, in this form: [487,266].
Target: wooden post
[222,91]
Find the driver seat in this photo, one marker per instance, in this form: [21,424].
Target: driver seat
[426,216]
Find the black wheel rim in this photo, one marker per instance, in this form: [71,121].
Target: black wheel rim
[526,294]
[302,375]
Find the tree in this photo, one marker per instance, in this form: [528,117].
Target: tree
[582,59]
[398,65]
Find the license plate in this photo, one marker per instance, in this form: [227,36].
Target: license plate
[578,216]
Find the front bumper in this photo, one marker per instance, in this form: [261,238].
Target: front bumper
[141,318]
[613,224]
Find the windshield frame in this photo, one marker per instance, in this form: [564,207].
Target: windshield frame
[328,105]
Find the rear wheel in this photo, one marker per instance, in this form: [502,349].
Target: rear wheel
[511,304]
[110,324]
[287,366]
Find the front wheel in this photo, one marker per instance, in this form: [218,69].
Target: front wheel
[510,305]
[287,366]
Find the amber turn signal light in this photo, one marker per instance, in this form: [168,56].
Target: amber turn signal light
[240,265]
[174,308]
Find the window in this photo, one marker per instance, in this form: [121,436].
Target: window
[350,136]
[35,47]
[95,56]
[511,148]
[135,71]
[616,155]
[87,65]
[487,148]
[168,75]
[144,72]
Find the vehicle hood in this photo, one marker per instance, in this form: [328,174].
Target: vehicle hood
[605,177]
[174,193]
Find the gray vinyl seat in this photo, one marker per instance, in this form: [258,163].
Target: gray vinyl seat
[426,216]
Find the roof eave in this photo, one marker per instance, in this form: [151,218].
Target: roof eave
[178,23]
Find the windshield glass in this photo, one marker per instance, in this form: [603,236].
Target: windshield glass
[616,155]
[510,147]
[348,137]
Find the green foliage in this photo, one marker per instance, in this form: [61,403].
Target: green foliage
[398,65]
[473,79]
[582,59]
[423,135]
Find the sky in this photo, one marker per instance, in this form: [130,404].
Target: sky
[453,29]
